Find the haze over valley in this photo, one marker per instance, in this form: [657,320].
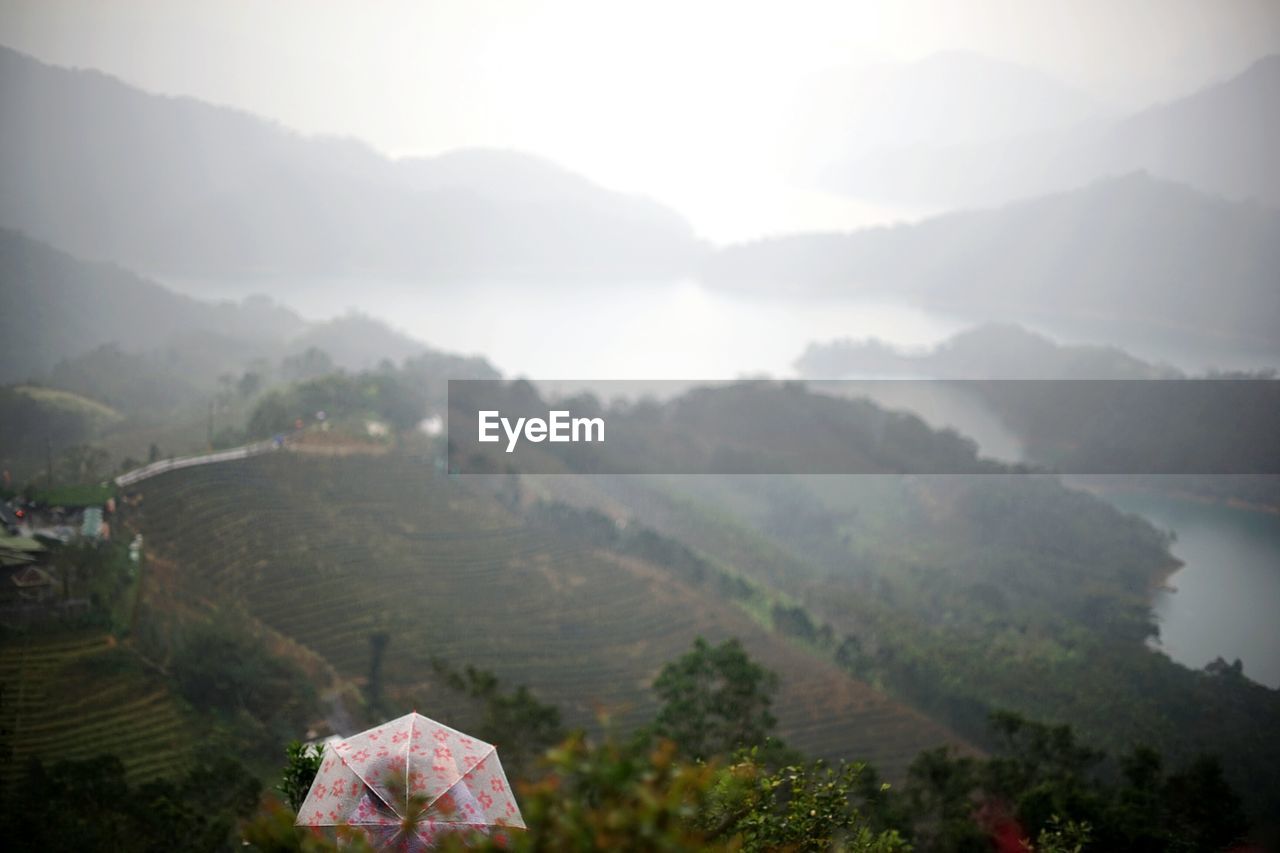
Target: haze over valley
[1009,273]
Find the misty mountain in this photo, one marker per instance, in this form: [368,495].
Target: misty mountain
[174,186]
[988,351]
[1107,424]
[66,321]
[1218,140]
[950,98]
[126,363]
[1131,252]
[54,307]
[356,342]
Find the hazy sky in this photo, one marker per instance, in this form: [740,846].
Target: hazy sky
[676,99]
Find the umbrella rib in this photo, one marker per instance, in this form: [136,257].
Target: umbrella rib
[443,821]
[492,750]
[408,745]
[371,788]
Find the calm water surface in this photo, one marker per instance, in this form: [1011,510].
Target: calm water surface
[649,330]
[1227,599]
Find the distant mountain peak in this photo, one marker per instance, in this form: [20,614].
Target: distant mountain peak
[1218,139]
[179,187]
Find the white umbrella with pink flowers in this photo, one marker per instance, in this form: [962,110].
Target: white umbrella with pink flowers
[407,782]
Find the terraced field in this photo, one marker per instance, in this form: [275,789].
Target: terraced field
[76,696]
[328,551]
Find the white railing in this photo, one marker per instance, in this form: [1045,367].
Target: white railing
[175,464]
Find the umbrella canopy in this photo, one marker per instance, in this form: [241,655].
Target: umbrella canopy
[408,781]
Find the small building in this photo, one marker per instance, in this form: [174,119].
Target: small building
[34,584]
[92,525]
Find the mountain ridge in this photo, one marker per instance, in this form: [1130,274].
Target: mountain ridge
[175,186]
[57,308]
[1133,252]
[1216,139]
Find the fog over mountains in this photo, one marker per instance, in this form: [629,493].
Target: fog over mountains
[950,98]
[53,306]
[1219,139]
[1029,308]
[55,309]
[987,351]
[1134,251]
[1147,226]
[177,187]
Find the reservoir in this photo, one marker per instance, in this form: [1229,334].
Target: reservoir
[1227,591]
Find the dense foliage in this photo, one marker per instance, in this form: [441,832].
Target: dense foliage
[1040,790]
[381,396]
[965,595]
[221,666]
[499,713]
[75,806]
[715,700]
[1041,775]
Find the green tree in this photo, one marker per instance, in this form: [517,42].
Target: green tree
[1042,771]
[801,807]
[309,364]
[84,463]
[525,726]
[1205,813]
[715,700]
[400,402]
[941,794]
[378,642]
[249,383]
[223,666]
[89,804]
[273,414]
[1042,784]
[1063,837]
[299,772]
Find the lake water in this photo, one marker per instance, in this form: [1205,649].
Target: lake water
[652,330]
[1227,599]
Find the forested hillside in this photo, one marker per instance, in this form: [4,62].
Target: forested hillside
[963,594]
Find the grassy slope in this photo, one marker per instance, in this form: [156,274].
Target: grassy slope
[77,695]
[328,551]
[90,409]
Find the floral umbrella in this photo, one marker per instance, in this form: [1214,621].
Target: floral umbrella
[407,782]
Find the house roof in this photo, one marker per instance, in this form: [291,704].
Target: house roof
[20,543]
[9,559]
[32,576]
[18,550]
